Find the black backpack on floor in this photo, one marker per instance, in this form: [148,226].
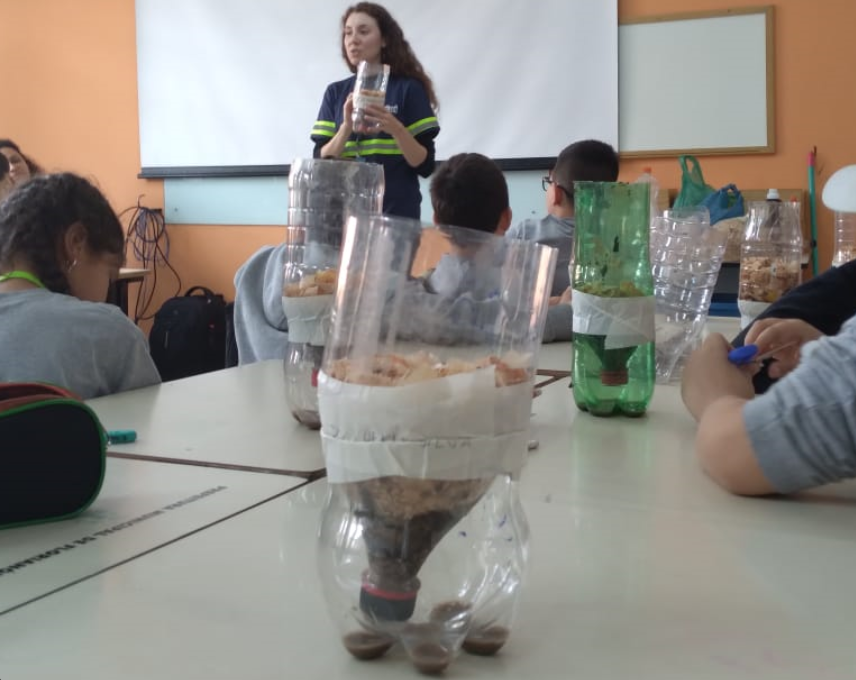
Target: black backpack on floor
[189,334]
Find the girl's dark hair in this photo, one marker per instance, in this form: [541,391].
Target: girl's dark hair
[4,166]
[397,52]
[35,168]
[35,217]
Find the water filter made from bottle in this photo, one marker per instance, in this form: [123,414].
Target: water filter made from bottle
[839,195]
[322,194]
[613,299]
[770,256]
[425,399]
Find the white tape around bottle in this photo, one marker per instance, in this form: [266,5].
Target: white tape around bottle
[626,322]
[459,427]
[749,310]
[308,318]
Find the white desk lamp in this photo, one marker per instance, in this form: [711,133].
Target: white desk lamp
[839,195]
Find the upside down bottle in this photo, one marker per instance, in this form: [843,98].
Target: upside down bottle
[613,294]
[770,256]
[322,193]
[425,398]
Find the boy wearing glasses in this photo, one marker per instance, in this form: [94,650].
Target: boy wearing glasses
[584,161]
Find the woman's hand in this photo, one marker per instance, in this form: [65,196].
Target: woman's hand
[383,121]
[768,334]
[414,153]
[347,114]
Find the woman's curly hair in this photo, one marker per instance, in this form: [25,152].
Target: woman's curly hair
[397,52]
[34,220]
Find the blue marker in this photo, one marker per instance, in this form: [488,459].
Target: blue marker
[748,354]
[740,356]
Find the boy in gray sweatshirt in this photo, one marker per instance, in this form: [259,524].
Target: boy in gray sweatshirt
[587,160]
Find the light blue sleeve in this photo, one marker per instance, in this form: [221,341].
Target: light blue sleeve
[803,430]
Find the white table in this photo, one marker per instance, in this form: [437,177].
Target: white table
[141,506]
[640,567]
[613,592]
[235,416]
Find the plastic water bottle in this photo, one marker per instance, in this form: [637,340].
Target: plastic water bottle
[686,256]
[613,300]
[845,238]
[647,177]
[770,257]
[425,403]
[321,193]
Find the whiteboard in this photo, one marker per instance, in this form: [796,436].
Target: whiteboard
[698,83]
[233,87]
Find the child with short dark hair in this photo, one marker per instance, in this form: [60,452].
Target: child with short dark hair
[468,190]
[589,160]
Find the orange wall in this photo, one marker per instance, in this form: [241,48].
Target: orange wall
[69,87]
[815,101]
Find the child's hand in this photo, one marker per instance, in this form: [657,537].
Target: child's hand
[768,334]
[709,376]
[563,299]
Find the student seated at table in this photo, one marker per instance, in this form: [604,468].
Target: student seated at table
[261,327]
[588,160]
[22,166]
[61,245]
[469,191]
[468,285]
[799,434]
[825,302]
[6,184]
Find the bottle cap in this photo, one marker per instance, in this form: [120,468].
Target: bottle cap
[385,605]
[773,195]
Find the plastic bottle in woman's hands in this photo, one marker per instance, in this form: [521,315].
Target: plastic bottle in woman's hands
[788,335]
[369,90]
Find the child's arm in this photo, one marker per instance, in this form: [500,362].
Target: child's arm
[715,391]
[725,451]
[800,434]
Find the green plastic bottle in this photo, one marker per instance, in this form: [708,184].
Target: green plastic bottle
[613,298]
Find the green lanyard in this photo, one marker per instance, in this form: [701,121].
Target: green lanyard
[22,275]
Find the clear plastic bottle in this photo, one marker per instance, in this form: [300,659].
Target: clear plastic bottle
[845,238]
[436,575]
[322,193]
[770,256]
[425,401]
[647,177]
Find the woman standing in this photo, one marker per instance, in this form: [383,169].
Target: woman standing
[407,124]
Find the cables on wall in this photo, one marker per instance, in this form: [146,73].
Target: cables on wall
[149,240]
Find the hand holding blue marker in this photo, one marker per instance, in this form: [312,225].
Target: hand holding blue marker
[748,354]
